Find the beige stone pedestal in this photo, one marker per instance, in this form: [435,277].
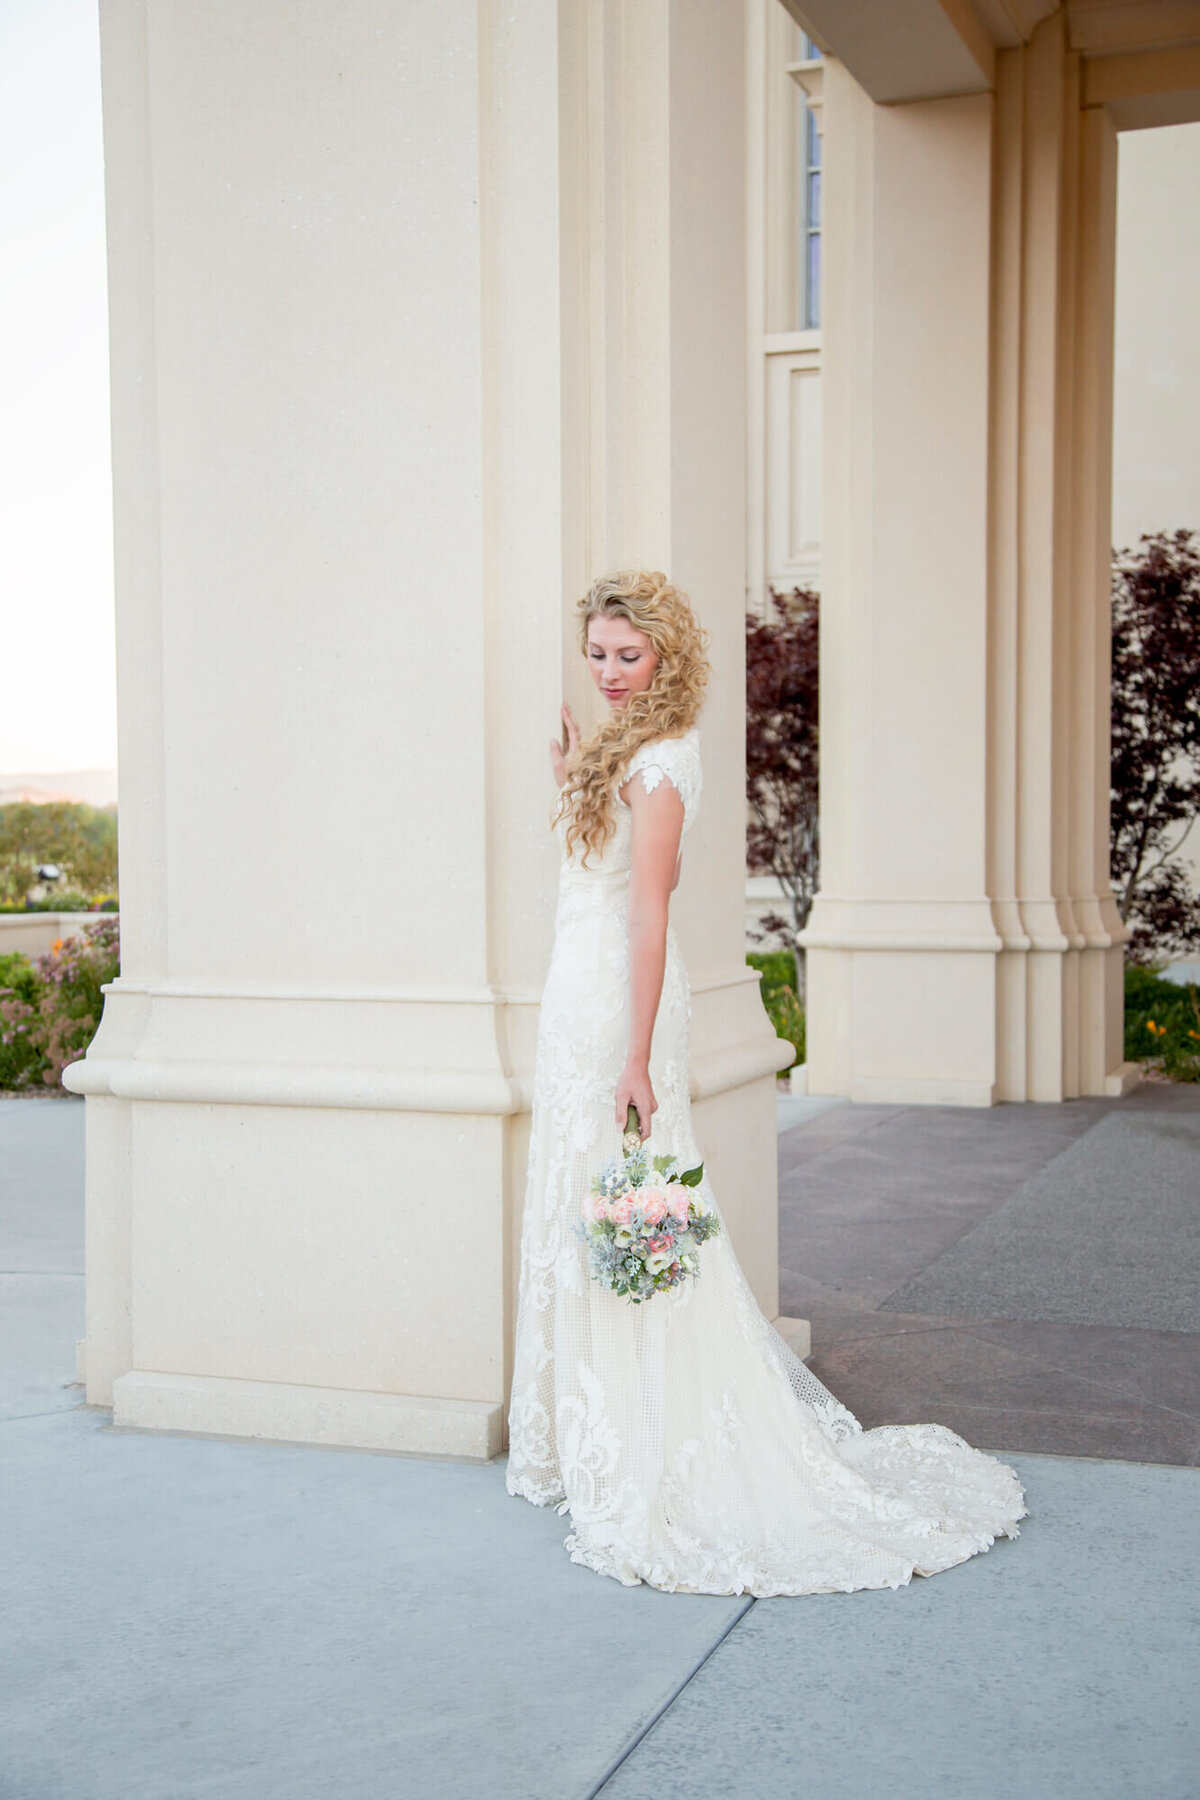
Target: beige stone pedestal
[421,316]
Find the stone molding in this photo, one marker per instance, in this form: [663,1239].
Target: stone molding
[217,1406]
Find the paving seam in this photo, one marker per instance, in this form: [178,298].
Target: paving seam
[54,1412]
[996,1217]
[984,1219]
[1073,1374]
[1073,1456]
[74,1274]
[967,1328]
[873,1337]
[623,1756]
[853,1137]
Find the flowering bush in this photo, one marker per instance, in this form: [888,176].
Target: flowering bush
[20,1061]
[1162,1024]
[49,1016]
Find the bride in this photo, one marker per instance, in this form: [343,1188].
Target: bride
[692,1449]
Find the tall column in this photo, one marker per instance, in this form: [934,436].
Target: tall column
[413,330]
[1059,976]
[965,947]
[1102,1068]
[901,944]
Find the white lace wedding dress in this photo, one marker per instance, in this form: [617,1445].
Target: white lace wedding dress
[693,1450]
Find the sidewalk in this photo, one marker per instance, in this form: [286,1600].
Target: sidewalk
[186,1617]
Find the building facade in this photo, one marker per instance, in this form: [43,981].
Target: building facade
[1156,447]
[422,315]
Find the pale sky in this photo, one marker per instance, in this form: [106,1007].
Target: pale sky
[58,705]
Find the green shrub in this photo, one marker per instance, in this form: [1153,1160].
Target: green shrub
[776,967]
[784,1010]
[18,974]
[1162,1024]
[71,901]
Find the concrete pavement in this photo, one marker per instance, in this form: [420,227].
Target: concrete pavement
[1025,1274]
[184,1617]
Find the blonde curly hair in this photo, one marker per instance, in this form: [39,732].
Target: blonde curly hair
[668,707]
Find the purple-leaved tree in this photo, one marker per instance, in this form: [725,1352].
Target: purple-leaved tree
[781,758]
[1156,740]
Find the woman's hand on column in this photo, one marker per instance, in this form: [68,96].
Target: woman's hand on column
[561,750]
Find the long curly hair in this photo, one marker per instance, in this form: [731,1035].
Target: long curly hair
[668,707]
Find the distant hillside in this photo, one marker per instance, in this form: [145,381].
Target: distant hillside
[41,787]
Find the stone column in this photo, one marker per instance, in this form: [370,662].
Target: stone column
[414,328]
[965,947]
[901,943]
[1059,976]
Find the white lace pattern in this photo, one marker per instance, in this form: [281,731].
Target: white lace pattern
[692,1449]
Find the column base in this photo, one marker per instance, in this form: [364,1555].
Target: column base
[1123,1079]
[217,1406]
[917,1090]
[900,1019]
[796,1334]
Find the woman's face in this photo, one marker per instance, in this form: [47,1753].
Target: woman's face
[621,658]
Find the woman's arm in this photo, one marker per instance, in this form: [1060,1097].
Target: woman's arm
[657,820]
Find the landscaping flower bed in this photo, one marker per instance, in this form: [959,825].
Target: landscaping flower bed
[50,1006]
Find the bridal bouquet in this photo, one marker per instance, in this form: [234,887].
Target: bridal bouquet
[642,1226]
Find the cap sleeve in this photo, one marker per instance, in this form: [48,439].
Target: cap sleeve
[676,760]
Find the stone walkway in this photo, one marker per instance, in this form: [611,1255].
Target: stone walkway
[188,1618]
[1029,1275]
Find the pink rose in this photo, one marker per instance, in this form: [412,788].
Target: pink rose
[678,1200]
[654,1206]
[597,1207]
[621,1211]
